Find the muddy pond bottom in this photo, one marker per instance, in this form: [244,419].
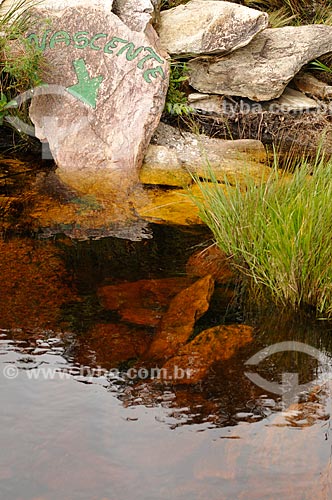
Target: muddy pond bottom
[82,417]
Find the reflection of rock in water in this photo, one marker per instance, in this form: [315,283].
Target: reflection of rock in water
[33,198]
[59,209]
[127,312]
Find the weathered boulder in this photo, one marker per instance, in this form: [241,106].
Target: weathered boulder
[106,94]
[175,156]
[209,27]
[136,14]
[290,100]
[215,344]
[262,69]
[178,322]
[207,103]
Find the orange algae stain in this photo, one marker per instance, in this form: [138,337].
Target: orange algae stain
[49,211]
[96,205]
[215,344]
[34,284]
[141,316]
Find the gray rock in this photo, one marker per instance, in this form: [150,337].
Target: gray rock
[105,98]
[176,155]
[262,69]
[209,27]
[207,103]
[136,14]
[289,101]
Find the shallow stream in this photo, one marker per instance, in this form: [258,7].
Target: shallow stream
[75,426]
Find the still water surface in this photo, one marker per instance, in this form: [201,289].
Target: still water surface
[68,434]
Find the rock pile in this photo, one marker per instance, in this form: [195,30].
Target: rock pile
[233,52]
[107,79]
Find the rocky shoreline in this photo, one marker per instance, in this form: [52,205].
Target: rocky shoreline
[249,91]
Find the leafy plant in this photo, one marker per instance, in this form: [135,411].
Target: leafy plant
[176,99]
[278,233]
[5,106]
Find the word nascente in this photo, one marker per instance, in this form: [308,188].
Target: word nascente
[101,42]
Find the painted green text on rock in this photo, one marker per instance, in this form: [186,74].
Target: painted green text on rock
[108,45]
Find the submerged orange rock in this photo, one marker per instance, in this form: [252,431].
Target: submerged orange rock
[178,322]
[215,344]
[142,302]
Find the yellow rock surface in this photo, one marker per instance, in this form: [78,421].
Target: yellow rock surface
[171,206]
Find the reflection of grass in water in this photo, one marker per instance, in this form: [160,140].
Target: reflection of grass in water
[279,233]
[274,326]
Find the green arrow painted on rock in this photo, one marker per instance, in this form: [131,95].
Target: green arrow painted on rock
[87,88]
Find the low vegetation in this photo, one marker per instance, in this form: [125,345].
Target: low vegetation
[21,64]
[176,99]
[297,11]
[278,234]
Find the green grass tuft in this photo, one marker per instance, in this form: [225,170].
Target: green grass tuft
[278,233]
[21,63]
